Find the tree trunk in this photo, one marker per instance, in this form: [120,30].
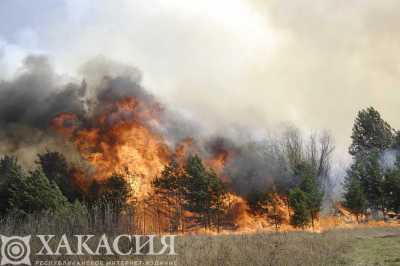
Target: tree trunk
[218,222]
[312,221]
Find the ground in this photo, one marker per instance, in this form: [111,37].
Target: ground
[375,250]
[366,246]
[355,245]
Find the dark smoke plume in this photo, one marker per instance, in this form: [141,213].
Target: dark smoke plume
[37,94]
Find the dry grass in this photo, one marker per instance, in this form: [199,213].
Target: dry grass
[336,247]
[363,246]
[263,249]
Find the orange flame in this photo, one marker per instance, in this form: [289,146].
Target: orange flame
[218,163]
[119,139]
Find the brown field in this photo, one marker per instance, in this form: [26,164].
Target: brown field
[360,245]
[363,246]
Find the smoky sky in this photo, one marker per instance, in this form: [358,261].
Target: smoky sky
[37,94]
[250,64]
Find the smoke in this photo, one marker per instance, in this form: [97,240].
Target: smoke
[242,62]
[33,105]
[31,101]
[258,166]
[28,102]
[37,94]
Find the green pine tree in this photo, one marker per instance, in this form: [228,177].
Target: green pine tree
[169,188]
[371,135]
[34,193]
[10,170]
[313,194]
[116,192]
[370,132]
[354,196]
[392,187]
[204,192]
[396,140]
[301,214]
[371,175]
[56,168]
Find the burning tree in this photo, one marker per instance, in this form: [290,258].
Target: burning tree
[267,204]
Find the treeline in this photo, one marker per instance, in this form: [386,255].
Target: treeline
[305,186]
[194,194]
[191,187]
[188,193]
[51,188]
[372,183]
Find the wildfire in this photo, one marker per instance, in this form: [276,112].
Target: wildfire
[218,163]
[119,139]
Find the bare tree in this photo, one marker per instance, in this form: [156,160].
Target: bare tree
[314,151]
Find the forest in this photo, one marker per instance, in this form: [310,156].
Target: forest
[189,194]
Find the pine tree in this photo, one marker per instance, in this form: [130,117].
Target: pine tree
[392,187]
[258,202]
[310,187]
[34,193]
[370,137]
[116,192]
[217,193]
[169,189]
[301,214]
[112,194]
[354,196]
[396,140]
[370,173]
[196,189]
[370,132]
[9,171]
[56,168]
[266,204]
[94,193]
[313,196]
[204,192]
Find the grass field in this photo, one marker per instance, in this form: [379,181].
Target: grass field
[367,246]
[357,246]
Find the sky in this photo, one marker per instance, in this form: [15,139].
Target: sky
[253,63]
